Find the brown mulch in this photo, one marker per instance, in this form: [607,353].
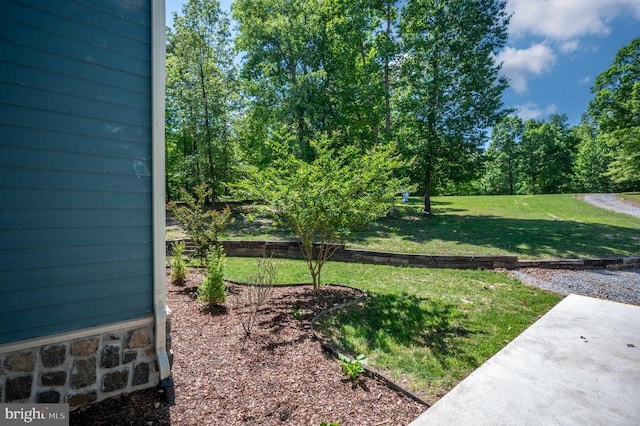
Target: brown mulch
[279,375]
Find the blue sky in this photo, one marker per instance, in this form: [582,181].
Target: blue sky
[556,49]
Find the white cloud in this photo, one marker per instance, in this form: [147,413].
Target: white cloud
[518,64]
[584,80]
[569,46]
[532,110]
[567,19]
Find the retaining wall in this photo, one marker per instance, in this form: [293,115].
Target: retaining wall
[291,250]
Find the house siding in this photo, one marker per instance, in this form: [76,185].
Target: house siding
[76,231]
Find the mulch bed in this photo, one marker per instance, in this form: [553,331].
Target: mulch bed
[279,375]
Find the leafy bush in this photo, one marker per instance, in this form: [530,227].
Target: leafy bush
[353,367]
[212,289]
[178,266]
[203,226]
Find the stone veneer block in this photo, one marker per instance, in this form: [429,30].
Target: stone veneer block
[25,361]
[110,356]
[76,400]
[85,347]
[19,388]
[138,338]
[129,357]
[53,356]
[50,396]
[141,374]
[83,373]
[115,381]
[53,378]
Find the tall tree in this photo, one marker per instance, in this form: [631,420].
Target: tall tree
[616,109]
[547,155]
[504,154]
[592,159]
[200,94]
[282,67]
[314,67]
[450,89]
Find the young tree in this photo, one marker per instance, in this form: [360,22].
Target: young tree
[203,226]
[450,90]
[616,109]
[324,201]
[200,94]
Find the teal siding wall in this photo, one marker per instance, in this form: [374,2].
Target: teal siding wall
[75,165]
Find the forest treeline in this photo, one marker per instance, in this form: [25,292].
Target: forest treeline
[419,75]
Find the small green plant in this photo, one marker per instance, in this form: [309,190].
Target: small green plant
[212,288]
[178,266]
[353,367]
[297,313]
[329,424]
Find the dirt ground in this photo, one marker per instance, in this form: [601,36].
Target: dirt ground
[278,375]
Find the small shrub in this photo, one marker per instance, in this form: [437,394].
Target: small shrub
[257,294]
[329,424]
[178,266]
[212,288]
[352,368]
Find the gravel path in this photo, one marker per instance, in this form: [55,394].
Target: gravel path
[617,285]
[613,203]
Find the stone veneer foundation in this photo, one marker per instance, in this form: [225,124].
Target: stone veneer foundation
[82,370]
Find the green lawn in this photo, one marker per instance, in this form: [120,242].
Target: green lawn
[527,226]
[429,328]
[425,328]
[634,197]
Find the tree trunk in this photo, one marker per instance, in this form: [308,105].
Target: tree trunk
[367,85]
[387,77]
[427,195]
[207,126]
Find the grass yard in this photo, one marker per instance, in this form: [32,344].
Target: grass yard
[634,197]
[527,226]
[425,328]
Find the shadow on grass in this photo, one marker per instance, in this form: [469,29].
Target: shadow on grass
[386,321]
[534,238]
[526,238]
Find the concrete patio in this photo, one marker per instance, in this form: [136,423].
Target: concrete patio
[577,365]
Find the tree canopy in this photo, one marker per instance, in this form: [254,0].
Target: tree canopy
[616,110]
[361,75]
